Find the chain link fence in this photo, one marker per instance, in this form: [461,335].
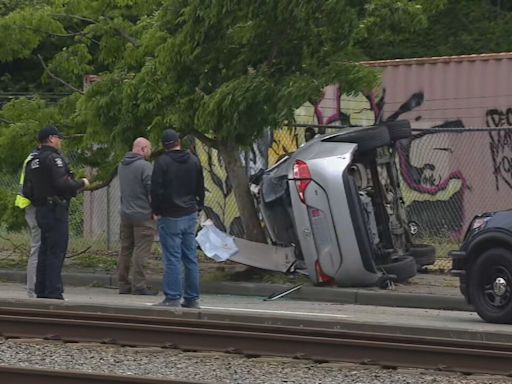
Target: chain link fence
[447,176]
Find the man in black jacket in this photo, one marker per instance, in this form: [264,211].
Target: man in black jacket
[50,185]
[177,194]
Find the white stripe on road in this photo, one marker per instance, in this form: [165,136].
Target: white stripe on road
[277,312]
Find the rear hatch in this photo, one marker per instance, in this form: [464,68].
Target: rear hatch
[275,204]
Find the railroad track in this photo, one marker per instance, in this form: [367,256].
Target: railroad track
[14,375]
[253,340]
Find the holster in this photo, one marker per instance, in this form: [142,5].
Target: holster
[60,206]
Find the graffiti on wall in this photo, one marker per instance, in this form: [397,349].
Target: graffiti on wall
[500,145]
[432,188]
[220,204]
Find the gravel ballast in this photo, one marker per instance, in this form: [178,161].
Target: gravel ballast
[211,367]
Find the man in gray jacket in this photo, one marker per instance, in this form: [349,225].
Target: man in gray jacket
[137,225]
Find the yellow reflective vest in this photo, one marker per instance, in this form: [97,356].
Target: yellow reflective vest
[21,201]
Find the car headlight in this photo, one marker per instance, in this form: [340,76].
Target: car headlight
[479,223]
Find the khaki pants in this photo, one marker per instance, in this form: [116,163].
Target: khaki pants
[136,242]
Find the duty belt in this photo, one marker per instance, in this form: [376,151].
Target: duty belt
[55,200]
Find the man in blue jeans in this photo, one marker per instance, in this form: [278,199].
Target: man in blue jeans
[177,195]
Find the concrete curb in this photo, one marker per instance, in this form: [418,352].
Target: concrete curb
[359,296]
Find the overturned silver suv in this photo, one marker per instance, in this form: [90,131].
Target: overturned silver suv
[337,202]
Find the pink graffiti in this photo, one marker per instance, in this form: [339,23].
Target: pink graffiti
[328,110]
[331,93]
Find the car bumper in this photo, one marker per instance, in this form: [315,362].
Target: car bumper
[459,263]
[329,225]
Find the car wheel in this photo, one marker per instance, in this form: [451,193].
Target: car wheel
[368,139]
[424,254]
[490,285]
[398,130]
[403,267]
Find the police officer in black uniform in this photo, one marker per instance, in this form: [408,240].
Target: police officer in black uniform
[50,185]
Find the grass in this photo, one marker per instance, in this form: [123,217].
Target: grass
[84,254]
[443,247]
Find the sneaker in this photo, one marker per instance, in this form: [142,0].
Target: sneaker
[57,297]
[145,292]
[168,303]
[125,291]
[191,304]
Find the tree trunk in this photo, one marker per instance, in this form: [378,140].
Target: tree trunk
[230,154]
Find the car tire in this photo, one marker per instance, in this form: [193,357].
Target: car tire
[492,301]
[368,139]
[424,254]
[398,130]
[403,267]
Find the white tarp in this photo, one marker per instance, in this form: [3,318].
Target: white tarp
[215,244]
[220,246]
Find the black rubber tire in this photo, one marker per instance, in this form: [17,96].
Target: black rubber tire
[367,139]
[403,267]
[490,265]
[424,254]
[399,129]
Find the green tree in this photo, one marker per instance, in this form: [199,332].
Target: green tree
[458,27]
[221,70]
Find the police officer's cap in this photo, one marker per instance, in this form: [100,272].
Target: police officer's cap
[48,131]
[170,138]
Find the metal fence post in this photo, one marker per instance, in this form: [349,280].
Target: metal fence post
[108,217]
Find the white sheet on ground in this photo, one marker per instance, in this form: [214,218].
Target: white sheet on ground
[220,246]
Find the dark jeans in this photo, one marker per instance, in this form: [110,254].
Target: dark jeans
[177,236]
[53,222]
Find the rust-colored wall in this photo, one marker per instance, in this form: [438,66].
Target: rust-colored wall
[447,177]
[474,91]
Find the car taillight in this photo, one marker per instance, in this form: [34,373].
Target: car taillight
[322,277]
[302,178]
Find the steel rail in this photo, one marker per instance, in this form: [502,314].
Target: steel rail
[387,350]
[22,375]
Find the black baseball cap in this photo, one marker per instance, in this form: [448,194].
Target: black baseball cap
[46,132]
[170,137]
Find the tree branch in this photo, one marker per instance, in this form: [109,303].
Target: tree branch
[91,21]
[5,121]
[96,186]
[79,252]
[205,139]
[71,34]
[121,32]
[62,81]
[128,37]
[16,247]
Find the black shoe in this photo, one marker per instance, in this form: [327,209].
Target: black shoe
[145,292]
[125,291]
[191,304]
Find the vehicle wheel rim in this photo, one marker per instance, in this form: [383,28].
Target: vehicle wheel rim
[497,288]
[413,228]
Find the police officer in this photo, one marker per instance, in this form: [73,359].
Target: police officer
[50,185]
[35,233]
